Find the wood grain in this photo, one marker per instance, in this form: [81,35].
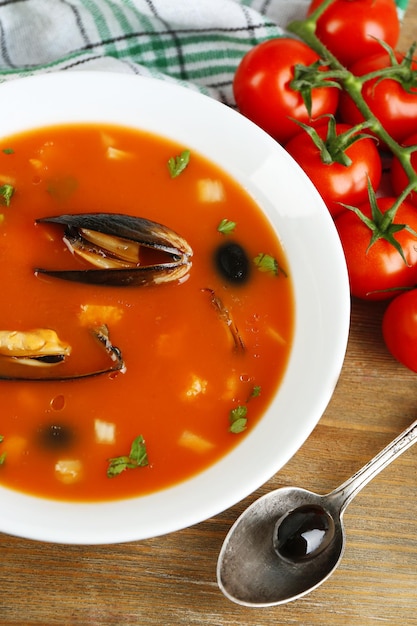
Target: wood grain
[170,581]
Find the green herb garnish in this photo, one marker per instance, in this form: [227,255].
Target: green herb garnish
[138,457]
[177,164]
[238,419]
[226,227]
[8,150]
[6,192]
[256,391]
[267,263]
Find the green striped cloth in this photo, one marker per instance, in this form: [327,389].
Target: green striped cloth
[197,43]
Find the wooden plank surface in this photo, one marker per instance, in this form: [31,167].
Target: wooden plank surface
[170,581]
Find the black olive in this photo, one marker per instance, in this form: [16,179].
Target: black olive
[232,262]
[55,436]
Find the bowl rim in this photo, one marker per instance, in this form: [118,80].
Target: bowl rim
[321,291]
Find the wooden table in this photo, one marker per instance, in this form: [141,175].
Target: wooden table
[170,581]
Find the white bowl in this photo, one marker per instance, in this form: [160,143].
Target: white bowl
[319,275]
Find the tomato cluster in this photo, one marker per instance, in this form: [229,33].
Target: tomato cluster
[286,88]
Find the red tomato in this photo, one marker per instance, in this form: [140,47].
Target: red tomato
[262,88]
[335,182]
[399,178]
[350,28]
[399,328]
[395,107]
[372,272]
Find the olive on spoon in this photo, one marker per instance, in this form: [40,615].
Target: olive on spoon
[290,540]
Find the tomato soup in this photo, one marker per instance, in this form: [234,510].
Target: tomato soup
[154,382]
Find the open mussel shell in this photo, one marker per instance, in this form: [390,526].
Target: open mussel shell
[105,241]
[38,347]
[36,355]
[33,352]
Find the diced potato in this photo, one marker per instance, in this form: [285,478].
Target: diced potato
[210,190]
[69,471]
[109,141]
[198,386]
[117,154]
[97,314]
[195,442]
[36,163]
[105,432]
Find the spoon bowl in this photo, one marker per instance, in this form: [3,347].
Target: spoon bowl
[303,533]
[255,568]
[249,570]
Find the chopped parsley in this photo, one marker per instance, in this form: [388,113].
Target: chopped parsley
[238,416]
[238,419]
[6,192]
[8,150]
[177,164]
[267,263]
[138,457]
[256,391]
[226,227]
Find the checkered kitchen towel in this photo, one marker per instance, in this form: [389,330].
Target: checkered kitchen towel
[194,42]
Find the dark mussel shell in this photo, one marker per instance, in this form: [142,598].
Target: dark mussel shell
[142,231]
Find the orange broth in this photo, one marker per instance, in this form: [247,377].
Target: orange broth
[183,376]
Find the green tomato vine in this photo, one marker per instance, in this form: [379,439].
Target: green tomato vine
[336,73]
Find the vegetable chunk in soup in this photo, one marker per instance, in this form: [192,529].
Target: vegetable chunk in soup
[147,313]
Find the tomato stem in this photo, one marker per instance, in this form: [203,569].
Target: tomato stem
[306,31]
[333,148]
[318,11]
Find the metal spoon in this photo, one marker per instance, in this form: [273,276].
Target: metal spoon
[260,563]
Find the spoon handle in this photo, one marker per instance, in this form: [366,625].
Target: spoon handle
[351,487]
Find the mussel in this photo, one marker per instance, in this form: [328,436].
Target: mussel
[41,347]
[115,243]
